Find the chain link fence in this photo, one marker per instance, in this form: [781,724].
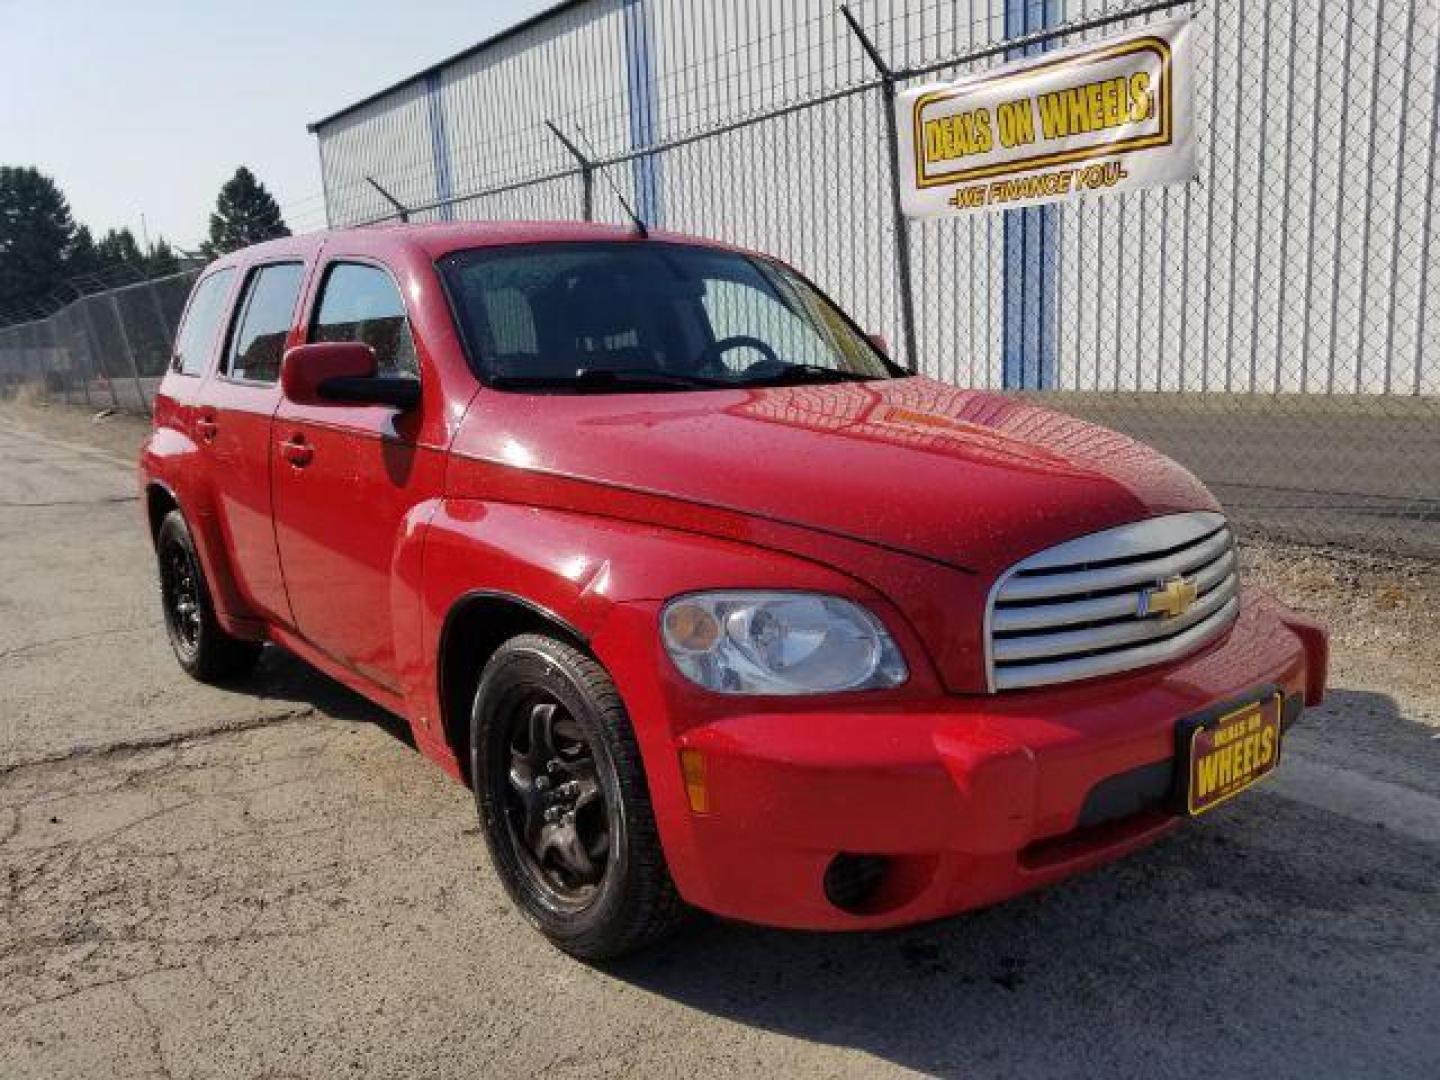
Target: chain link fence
[106,350]
[1270,325]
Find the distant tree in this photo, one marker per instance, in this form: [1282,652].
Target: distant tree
[81,257]
[36,232]
[245,213]
[160,260]
[118,247]
[42,250]
[89,258]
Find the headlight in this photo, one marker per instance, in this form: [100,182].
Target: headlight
[779,643]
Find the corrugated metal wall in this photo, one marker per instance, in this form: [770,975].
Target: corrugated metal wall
[1300,260]
[388,139]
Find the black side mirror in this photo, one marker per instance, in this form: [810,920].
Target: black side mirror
[343,373]
[396,391]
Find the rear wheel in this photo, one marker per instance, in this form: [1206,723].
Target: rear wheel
[203,649]
[564,803]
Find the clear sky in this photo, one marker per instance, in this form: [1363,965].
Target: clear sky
[147,106]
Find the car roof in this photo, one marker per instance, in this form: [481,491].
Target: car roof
[437,239]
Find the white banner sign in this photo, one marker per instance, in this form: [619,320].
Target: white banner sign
[1104,117]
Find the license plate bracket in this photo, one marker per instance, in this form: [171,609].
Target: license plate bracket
[1226,750]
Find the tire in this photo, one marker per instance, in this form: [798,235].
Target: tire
[204,650]
[596,899]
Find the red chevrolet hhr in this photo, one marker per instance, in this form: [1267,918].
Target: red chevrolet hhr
[709,602]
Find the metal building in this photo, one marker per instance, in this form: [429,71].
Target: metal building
[1302,260]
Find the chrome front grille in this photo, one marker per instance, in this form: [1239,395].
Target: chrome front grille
[1097,605]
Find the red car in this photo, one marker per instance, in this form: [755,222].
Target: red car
[709,602]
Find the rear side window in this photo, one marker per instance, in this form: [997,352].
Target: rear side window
[361,303]
[196,340]
[258,340]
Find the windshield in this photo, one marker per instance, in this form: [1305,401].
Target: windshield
[618,317]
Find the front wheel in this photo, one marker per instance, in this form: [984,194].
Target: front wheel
[564,803]
[201,646]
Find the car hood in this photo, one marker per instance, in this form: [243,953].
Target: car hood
[966,478]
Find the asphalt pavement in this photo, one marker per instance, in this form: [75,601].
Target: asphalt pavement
[269,881]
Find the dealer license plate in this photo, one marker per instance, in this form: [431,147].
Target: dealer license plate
[1230,752]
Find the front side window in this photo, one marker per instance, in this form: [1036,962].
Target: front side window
[361,303]
[201,325]
[623,316]
[266,314]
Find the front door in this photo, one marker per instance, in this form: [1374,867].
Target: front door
[345,477]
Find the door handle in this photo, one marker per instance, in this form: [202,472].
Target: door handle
[207,428]
[297,451]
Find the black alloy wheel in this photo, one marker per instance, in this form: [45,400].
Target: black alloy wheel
[555,808]
[180,593]
[564,802]
[200,644]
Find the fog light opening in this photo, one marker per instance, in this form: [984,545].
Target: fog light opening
[851,881]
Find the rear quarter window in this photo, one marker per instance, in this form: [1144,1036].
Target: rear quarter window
[195,342]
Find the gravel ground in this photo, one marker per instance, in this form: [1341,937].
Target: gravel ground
[1356,470]
[269,881]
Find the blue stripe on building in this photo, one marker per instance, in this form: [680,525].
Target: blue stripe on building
[644,109]
[1031,246]
[439,146]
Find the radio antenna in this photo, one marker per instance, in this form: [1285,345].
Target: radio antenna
[641,229]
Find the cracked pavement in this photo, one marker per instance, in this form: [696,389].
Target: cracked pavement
[268,881]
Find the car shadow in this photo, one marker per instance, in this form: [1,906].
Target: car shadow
[282,676]
[1276,936]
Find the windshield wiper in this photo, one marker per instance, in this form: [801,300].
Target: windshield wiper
[809,373]
[641,377]
[601,379]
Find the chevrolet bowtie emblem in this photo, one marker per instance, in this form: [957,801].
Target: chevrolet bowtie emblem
[1169,598]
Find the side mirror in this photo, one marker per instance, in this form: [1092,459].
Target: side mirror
[880,343]
[342,373]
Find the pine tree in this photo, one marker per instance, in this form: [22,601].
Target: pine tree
[245,213]
[80,257]
[160,260]
[36,231]
[118,247]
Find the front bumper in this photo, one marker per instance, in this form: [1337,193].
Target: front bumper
[969,800]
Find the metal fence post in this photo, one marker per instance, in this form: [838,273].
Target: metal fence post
[587,174]
[94,339]
[401,210]
[901,222]
[53,360]
[129,352]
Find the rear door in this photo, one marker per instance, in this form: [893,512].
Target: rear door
[233,421]
[342,500]
[194,349]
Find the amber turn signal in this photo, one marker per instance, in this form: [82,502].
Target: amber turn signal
[691,627]
[692,768]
